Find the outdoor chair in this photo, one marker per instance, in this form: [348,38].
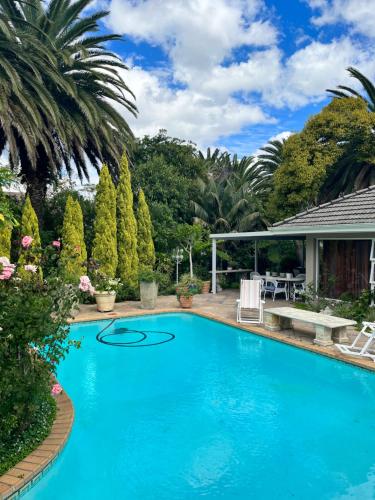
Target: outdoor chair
[299,288]
[368,333]
[275,287]
[250,301]
[255,275]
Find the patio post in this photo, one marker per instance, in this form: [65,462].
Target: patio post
[213,265]
[255,256]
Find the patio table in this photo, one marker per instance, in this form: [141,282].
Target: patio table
[287,280]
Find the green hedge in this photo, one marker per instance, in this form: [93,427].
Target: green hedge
[20,444]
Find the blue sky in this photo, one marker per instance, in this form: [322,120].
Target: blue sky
[234,73]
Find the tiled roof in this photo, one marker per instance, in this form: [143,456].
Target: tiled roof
[355,208]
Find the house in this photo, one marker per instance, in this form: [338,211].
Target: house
[339,241]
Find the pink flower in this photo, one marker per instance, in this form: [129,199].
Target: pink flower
[26,241]
[7,269]
[31,267]
[56,243]
[56,389]
[84,284]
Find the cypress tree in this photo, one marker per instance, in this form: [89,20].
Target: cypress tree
[105,239]
[126,228]
[30,255]
[146,249]
[73,253]
[5,239]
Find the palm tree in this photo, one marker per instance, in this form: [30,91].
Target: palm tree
[24,101]
[272,157]
[368,87]
[88,126]
[233,202]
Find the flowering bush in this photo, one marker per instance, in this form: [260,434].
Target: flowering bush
[102,283]
[85,285]
[34,332]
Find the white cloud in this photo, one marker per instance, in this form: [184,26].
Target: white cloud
[186,113]
[214,95]
[316,67]
[197,34]
[358,14]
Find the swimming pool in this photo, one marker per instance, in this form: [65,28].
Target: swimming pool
[214,412]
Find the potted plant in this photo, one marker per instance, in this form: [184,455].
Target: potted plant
[105,289]
[187,288]
[206,285]
[148,287]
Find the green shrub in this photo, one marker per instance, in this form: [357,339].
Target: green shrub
[73,253]
[146,249]
[146,274]
[105,239]
[5,240]
[33,340]
[188,286]
[30,255]
[19,444]
[127,269]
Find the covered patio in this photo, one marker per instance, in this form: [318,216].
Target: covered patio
[339,239]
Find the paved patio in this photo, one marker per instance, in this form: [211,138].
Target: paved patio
[222,307]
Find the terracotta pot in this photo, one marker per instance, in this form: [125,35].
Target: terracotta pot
[206,286]
[186,302]
[105,301]
[149,294]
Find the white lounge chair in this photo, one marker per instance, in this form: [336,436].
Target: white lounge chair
[250,300]
[368,332]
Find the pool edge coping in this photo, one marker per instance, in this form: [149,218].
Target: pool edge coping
[28,471]
[249,328]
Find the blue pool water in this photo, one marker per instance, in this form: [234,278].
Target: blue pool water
[214,413]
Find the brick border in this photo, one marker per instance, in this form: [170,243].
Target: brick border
[29,470]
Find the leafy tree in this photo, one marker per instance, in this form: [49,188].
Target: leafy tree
[105,235]
[54,210]
[79,98]
[73,253]
[345,92]
[336,144]
[127,269]
[146,250]
[188,236]
[31,254]
[167,169]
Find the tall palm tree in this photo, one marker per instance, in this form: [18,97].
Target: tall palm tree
[272,157]
[343,91]
[89,126]
[24,100]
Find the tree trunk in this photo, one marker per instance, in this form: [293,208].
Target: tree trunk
[37,190]
[36,177]
[191,260]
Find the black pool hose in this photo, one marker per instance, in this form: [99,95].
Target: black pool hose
[142,342]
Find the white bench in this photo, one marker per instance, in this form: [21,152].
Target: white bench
[327,328]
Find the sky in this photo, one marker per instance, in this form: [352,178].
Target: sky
[235,73]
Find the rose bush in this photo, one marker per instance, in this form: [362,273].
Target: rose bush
[34,332]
